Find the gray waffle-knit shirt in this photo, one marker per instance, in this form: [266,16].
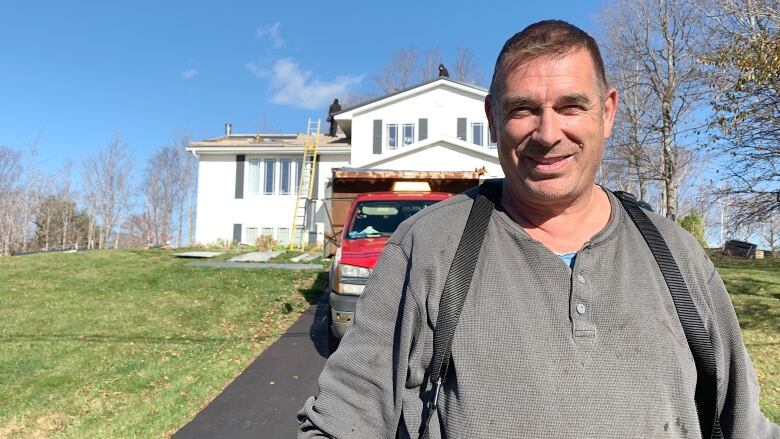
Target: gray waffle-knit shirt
[541,350]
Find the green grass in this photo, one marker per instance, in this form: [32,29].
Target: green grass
[754,287]
[133,343]
[130,343]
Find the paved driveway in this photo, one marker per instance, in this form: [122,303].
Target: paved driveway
[263,400]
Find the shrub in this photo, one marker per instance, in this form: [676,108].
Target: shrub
[694,224]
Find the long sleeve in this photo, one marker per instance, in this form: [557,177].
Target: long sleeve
[741,415]
[359,388]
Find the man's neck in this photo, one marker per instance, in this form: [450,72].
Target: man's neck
[565,227]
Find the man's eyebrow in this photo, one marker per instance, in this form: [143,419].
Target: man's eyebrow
[519,101]
[575,99]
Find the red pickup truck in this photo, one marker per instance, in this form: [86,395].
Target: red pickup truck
[364,207]
[372,218]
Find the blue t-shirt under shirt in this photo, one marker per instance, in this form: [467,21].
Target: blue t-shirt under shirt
[568,258]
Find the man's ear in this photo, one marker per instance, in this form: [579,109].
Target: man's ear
[491,122]
[610,110]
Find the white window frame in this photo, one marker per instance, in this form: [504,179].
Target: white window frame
[246,235]
[403,134]
[255,176]
[282,164]
[274,185]
[396,137]
[481,140]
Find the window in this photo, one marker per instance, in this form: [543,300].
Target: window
[250,235]
[490,142]
[477,133]
[267,231]
[283,235]
[285,175]
[297,178]
[392,136]
[269,180]
[408,133]
[254,177]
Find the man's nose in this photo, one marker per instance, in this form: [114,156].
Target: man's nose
[548,130]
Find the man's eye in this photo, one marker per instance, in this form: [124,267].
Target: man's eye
[520,112]
[572,109]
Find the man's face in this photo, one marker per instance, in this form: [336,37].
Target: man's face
[550,125]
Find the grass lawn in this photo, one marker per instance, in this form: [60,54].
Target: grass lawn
[130,343]
[755,291]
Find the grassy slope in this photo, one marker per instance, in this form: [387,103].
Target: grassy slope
[755,291]
[133,343]
[130,343]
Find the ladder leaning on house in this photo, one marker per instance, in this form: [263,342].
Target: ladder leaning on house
[305,183]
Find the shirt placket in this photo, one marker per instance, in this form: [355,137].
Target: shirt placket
[581,298]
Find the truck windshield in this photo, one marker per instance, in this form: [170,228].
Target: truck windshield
[375,219]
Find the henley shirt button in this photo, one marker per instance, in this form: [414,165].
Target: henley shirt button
[581,308]
[581,278]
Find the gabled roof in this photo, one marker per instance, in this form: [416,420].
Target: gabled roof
[266,143]
[441,81]
[489,154]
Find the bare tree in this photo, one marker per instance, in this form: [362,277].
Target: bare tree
[660,38]
[742,51]
[11,222]
[401,72]
[430,64]
[106,182]
[632,149]
[169,192]
[465,68]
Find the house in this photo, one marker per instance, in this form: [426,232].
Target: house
[247,182]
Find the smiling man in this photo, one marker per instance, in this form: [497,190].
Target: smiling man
[569,327]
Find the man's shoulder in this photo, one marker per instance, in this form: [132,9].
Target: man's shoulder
[686,250]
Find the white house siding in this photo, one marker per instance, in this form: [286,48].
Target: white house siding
[442,107]
[442,156]
[216,197]
[219,210]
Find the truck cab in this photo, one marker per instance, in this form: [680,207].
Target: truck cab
[371,219]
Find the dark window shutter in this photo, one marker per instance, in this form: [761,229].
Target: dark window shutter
[423,129]
[240,160]
[237,232]
[462,128]
[377,136]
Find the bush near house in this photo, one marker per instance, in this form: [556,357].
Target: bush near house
[132,343]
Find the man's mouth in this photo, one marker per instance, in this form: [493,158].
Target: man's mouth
[548,164]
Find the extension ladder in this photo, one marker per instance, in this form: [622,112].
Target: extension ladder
[305,183]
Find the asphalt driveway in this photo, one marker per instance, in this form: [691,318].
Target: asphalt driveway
[263,400]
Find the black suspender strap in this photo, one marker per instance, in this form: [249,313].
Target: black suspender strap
[455,289]
[698,339]
[459,281]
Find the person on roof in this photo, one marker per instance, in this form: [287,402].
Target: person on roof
[334,108]
[443,71]
[569,327]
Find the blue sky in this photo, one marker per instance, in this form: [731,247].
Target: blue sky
[75,74]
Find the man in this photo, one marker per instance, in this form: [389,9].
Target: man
[443,71]
[568,329]
[334,108]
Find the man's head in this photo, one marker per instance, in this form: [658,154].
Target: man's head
[550,112]
[548,38]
